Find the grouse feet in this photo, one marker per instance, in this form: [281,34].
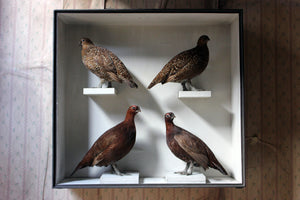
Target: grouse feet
[187,86]
[104,84]
[116,170]
[188,169]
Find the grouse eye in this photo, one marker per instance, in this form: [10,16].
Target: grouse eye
[133,107]
[168,116]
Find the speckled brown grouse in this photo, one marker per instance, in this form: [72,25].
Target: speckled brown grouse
[113,145]
[189,148]
[185,66]
[106,65]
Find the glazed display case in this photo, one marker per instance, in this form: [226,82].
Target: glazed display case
[145,40]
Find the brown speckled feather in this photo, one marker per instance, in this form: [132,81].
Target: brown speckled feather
[190,148]
[113,145]
[104,63]
[184,66]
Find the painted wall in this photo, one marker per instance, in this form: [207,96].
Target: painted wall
[272,101]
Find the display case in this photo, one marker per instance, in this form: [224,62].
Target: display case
[145,40]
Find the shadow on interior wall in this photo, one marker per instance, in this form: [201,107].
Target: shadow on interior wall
[76,106]
[212,112]
[126,97]
[141,153]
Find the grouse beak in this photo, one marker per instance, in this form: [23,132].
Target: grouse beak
[138,110]
[172,116]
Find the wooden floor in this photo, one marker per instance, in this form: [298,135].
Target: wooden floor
[272,107]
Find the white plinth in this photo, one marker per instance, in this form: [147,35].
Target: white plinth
[99,91]
[194,94]
[196,177]
[128,178]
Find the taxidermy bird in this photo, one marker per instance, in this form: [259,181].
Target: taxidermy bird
[189,148]
[113,145]
[185,66]
[103,63]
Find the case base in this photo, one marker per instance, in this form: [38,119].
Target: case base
[127,178]
[196,177]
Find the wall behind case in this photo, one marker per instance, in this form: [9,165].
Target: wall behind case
[272,100]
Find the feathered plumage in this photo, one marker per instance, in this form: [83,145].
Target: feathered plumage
[189,148]
[185,66]
[106,65]
[113,145]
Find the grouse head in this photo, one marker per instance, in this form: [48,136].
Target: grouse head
[203,40]
[134,109]
[169,117]
[85,41]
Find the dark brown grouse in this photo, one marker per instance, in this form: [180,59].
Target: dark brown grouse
[189,148]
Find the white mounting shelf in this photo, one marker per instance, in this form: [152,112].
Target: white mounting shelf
[194,94]
[99,91]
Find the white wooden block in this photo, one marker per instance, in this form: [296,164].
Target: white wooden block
[128,178]
[196,177]
[99,91]
[194,94]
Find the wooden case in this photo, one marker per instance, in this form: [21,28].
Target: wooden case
[145,40]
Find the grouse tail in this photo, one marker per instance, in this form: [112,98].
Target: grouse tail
[219,167]
[132,84]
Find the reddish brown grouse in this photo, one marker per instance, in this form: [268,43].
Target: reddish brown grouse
[106,65]
[113,145]
[189,148]
[185,66]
